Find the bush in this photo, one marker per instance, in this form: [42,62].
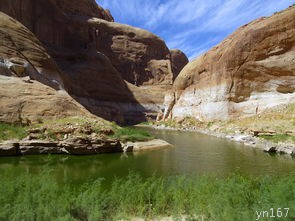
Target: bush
[132,134]
[12,131]
[236,197]
[279,138]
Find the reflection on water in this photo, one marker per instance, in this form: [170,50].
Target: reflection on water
[192,154]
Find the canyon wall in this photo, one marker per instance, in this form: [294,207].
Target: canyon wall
[98,62]
[24,63]
[253,69]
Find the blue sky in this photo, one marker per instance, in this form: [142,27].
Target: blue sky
[194,26]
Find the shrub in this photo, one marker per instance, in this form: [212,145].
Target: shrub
[132,134]
[279,138]
[236,197]
[12,131]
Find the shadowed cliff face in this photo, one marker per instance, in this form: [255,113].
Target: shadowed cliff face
[23,60]
[85,74]
[23,54]
[94,56]
[251,70]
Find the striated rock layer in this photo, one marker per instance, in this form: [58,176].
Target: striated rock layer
[95,59]
[251,70]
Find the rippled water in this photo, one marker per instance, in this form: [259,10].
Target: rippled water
[193,154]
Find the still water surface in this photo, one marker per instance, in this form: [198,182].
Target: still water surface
[193,154]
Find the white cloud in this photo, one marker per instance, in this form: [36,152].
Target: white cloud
[193,26]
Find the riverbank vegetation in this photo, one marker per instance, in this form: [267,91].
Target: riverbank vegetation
[277,124]
[279,138]
[131,134]
[235,198]
[72,126]
[12,131]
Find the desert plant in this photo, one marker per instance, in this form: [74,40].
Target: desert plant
[236,197]
[12,131]
[132,134]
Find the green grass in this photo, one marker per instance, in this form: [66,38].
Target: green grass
[279,138]
[122,133]
[170,123]
[235,198]
[210,124]
[132,134]
[55,128]
[147,123]
[11,131]
[81,121]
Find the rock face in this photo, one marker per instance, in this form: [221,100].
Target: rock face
[77,146]
[94,146]
[178,61]
[21,54]
[251,70]
[73,147]
[96,58]
[85,74]
[38,147]
[24,101]
[140,56]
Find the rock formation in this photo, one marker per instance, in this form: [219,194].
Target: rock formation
[95,59]
[25,101]
[178,61]
[251,70]
[77,135]
[21,54]
[140,56]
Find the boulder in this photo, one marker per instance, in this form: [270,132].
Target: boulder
[9,148]
[270,148]
[252,70]
[148,145]
[128,147]
[286,149]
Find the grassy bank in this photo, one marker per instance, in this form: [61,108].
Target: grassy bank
[279,138]
[235,198]
[132,134]
[12,131]
[75,126]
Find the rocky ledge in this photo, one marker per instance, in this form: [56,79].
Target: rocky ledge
[266,146]
[146,145]
[76,146]
[76,136]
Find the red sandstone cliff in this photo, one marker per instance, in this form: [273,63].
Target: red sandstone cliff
[251,70]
